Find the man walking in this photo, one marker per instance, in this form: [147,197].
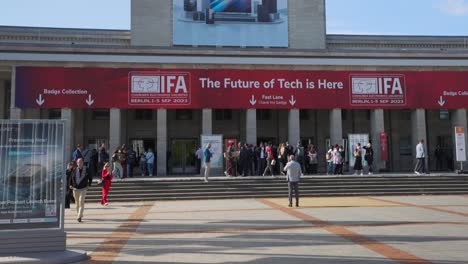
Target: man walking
[420,156]
[293,176]
[79,181]
[208,154]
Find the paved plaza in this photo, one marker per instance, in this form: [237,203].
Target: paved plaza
[387,229]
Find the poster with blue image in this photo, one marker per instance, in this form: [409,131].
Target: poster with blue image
[31,172]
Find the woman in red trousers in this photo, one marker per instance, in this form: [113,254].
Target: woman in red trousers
[106,183]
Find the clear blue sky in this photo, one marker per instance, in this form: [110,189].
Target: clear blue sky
[386,17]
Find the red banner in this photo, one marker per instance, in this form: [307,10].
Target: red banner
[383,146]
[47,87]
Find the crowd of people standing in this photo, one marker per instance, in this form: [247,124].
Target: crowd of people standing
[269,159]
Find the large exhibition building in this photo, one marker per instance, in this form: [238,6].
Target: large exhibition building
[248,70]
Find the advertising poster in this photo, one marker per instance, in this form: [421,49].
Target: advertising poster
[239,23]
[460,143]
[216,148]
[31,170]
[353,140]
[126,88]
[383,137]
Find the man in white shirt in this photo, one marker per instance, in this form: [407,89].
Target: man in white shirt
[420,156]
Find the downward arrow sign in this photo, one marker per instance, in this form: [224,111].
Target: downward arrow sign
[90,100]
[253,101]
[441,101]
[40,100]
[292,101]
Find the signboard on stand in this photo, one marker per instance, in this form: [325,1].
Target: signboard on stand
[216,142]
[383,138]
[31,172]
[460,144]
[363,139]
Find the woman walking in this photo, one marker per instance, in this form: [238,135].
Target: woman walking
[106,182]
[282,157]
[270,160]
[358,160]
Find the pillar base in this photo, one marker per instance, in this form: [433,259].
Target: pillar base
[66,256]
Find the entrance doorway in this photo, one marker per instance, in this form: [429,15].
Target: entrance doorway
[182,160]
[140,146]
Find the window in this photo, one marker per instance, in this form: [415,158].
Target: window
[263,114]
[223,114]
[7,100]
[304,114]
[444,114]
[344,114]
[143,114]
[184,114]
[100,115]
[55,114]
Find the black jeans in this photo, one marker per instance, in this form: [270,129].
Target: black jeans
[293,186]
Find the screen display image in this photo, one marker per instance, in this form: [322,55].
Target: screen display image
[28,182]
[231,6]
[238,23]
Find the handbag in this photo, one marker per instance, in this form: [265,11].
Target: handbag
[273,162]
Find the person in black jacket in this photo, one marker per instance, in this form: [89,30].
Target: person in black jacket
[68,191]
[80,180]
[369,157]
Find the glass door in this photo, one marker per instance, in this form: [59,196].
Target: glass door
[182,157]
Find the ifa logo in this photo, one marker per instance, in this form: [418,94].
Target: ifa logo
[383,89]
[159,88]
[162,84]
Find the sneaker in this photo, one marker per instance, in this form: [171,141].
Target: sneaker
[206,180]
[225,173]
[362,174]
[79,219]
[289,205]
[106,204]
[370,173]
[417,173]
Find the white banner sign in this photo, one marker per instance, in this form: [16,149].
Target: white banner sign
[216,148]
[460,144]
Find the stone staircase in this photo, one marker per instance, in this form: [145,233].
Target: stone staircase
[256,187]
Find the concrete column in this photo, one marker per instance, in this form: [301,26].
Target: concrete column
[251,126]
[207,121]
[69,116]
[336,127]
[161,142]
[418,131]
[294,127]
[80,117]
[15,113]
[115,129]
[2,99]
[459,118]
[377,122]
